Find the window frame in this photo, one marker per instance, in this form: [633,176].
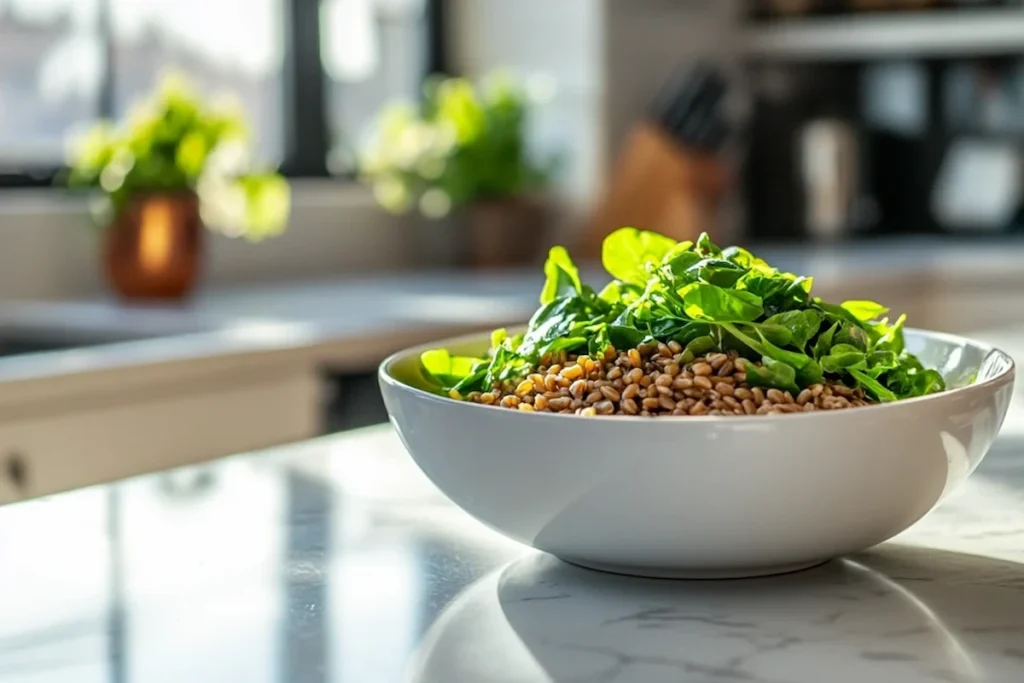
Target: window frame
[306,124]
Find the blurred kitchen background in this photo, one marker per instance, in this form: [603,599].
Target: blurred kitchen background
[429,151]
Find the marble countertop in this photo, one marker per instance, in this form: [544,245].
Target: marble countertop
[336,561]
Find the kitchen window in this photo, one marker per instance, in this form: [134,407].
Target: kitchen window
[310,73]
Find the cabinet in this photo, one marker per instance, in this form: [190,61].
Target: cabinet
[70,431]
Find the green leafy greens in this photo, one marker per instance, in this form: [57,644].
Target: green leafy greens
[706,299]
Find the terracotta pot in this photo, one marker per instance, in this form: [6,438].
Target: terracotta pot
[507,232]
[154,247]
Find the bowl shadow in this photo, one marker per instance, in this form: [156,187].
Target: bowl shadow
[897,613]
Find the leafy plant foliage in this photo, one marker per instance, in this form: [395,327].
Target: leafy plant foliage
[174,142]
[465,142]
[706,298]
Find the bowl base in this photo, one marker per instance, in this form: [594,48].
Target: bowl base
[695,574]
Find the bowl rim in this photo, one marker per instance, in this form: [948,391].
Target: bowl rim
[1005,376]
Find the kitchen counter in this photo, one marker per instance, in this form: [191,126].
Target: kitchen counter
[353,323]
[242,366]
[336,560]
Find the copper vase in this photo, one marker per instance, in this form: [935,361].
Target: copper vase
[154,247]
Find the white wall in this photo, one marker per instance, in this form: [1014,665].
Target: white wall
[563,39]
[49,248]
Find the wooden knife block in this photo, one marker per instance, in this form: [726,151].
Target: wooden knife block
[659,185]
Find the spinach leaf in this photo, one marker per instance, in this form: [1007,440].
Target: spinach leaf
[865,311]
[842,358]
[928,382]
[612,292]
[794,358]
[716,271]
[599,341]
[625,337]
[824,342]
[852,335]
[834,313]
[742,257]
[708,302]
[812,373]
[701,345]
[562,278]
[873,386]
[891,337]
[773,374]
[627,253]
[705,247]
[680,259]
[779,291]
[451,372]
[776,334]
[802,325]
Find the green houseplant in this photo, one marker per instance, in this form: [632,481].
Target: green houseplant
[463,151]
[174,165]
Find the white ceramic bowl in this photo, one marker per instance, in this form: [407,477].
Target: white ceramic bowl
[713,497]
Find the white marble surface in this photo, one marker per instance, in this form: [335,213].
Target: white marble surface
[944,602]
[335,560]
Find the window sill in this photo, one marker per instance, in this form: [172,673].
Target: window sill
[306,193]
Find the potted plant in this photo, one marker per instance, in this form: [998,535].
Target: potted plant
[463,151]
[174,166]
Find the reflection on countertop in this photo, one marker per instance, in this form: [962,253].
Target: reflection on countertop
[336,560]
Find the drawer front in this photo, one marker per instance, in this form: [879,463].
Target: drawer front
[86,445]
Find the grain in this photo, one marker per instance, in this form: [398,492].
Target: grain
[656,380]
